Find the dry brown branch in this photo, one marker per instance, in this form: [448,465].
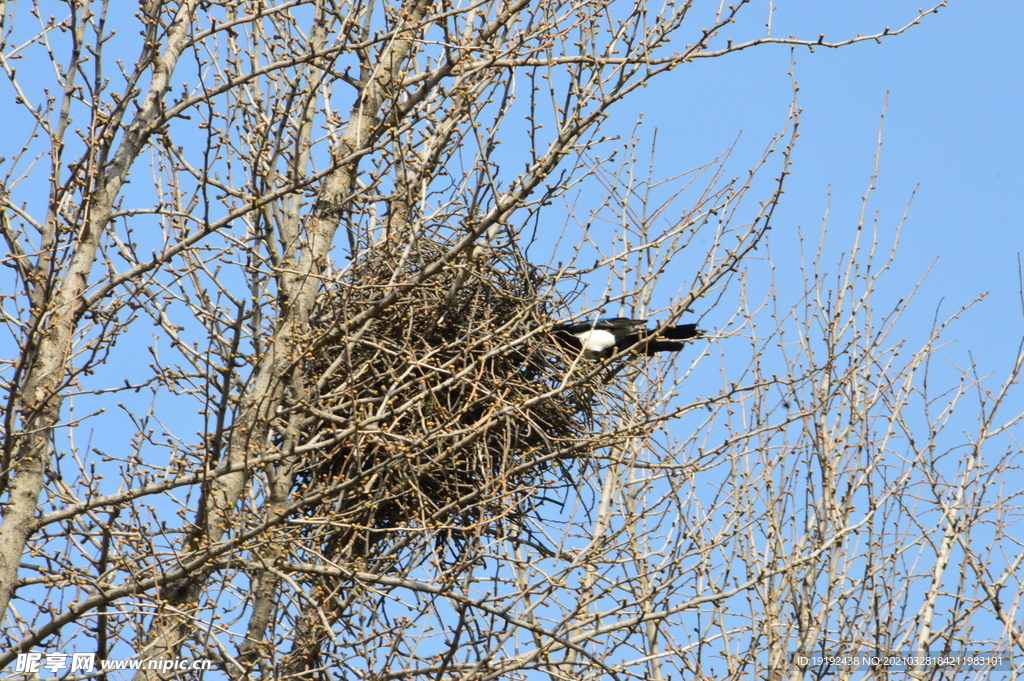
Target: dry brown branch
[285,395]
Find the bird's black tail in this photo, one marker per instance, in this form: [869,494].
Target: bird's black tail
[654,346]
[668,339]
[680,332]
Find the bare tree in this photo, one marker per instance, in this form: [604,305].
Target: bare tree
[290,401]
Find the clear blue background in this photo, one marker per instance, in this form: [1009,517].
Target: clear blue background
[954,125]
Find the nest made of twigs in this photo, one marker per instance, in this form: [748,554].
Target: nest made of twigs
[443,414]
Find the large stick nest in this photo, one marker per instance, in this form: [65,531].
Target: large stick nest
[460,405]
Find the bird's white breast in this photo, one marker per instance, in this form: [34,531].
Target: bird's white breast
[595,342]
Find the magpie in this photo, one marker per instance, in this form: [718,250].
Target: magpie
[601,338]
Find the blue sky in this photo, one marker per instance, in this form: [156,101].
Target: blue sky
[954,128]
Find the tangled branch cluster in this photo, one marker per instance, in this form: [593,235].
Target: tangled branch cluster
[460,396]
